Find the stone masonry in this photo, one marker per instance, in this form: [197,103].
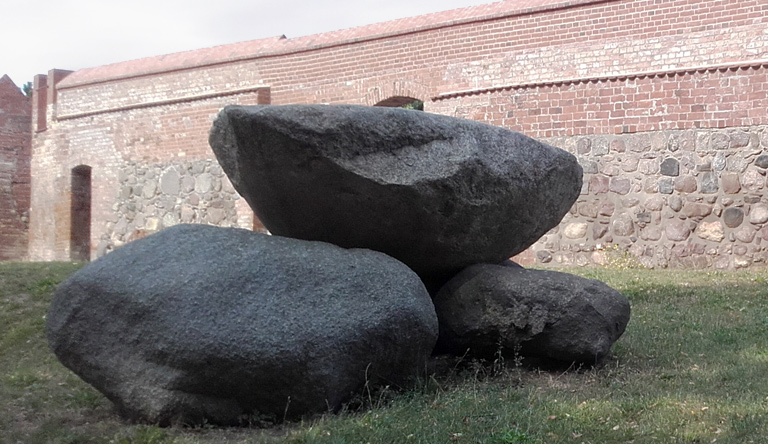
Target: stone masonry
[153,197]
[690,198]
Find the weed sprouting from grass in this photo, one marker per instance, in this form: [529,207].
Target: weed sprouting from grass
[144,435]
[612,256]
[86,398]
[513,436]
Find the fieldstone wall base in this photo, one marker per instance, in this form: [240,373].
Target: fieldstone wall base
[692,198]
[156,196]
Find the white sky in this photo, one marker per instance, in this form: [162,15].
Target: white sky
[36,36]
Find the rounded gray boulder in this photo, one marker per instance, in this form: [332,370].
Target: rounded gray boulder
[204,324]
[538,313]
[436,192]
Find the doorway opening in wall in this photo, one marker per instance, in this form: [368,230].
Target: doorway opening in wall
[402,102]
[80,227]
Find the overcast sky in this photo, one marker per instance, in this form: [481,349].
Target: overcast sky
[73,34]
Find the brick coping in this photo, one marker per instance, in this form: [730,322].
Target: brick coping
[634,75]
[279,46]
[173,101]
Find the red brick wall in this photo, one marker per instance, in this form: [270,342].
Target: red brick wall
[594,39]
[718,97]
[15,139]
[554,70]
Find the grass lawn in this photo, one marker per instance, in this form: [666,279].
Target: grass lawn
[692,367]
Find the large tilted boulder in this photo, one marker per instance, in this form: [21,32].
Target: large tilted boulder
[204,324]
[436,192]
[539,313]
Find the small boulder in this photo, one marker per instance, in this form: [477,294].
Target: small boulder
[204,324]
[539,313]
[436,192]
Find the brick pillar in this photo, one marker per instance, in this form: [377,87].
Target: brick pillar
[15,143]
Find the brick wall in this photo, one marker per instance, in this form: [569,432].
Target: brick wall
[734,95]
[572,72]
[15,139]
[594,39]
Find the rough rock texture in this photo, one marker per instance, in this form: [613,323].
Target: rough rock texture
[199,323]
[435,192]
[547,314]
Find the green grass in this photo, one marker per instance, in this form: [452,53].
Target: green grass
[692,367]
